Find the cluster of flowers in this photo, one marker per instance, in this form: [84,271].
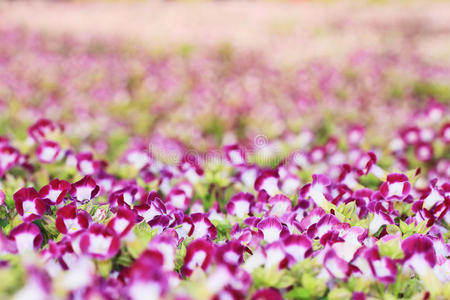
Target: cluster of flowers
[322,204]
[106,91]
[227,230]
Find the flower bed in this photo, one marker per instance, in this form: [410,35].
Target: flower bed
[130,176]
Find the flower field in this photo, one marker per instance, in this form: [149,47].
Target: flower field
[220,174]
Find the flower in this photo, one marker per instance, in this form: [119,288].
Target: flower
[27,237]
[29,204]
[99,242]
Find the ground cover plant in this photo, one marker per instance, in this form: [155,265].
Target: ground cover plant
[128,175]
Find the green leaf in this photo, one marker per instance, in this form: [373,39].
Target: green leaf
[104,267]
[143,234]
[315,287]
[298,293]
[392,229]
[391,248]
[339,294]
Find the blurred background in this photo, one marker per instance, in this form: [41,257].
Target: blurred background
[209,73]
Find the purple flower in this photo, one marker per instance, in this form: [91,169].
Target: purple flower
[419,253]
[395,187]
[27,237]
[235,155]
[99,242]
[9,157]
[48,151]
[271,229]
[29,204]
[84,189]
[199,254]
[70,220]
[240,204]
[54,192]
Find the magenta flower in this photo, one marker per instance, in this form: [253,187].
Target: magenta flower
[100,242]
[267,294]
[423,152]
[298,247]
[165,244]
[326,223]
[268,181]
[235,155]
[445,133]
[380,218]
[9,157]
[230,254]
[84,189]
[317,154]
[203,227]
[177,199]
[336,266]
[154,207]
[271,229]
[434,196]
[54,192]
[395,187]
[384,269]
[419,253]
[2,198]
[70,220]
[244,236]
[43,129]
[29,204]
[240,204]
[126,196]
[410,135]
[48,151]
[316,190]
[123,221]
[145,278]
[355,135]
[199,254]
[86,164]
[27,237]
[279,205]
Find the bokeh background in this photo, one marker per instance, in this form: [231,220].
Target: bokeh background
[210,73]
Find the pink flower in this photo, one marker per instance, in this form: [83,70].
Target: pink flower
[27,237]
[29,204]
[9,157]
[271,229]
[70,220]
[268,181]
[267,294]
[203,227]
[445,133]
[123,221]
[54,192]
[152,208]
[87,165]
[177,199]
[396,187]
[84,189]
[355,135]
[419,253]
[235,155]
[423,152]
[240,204]
[48,151]
[199,254]
[316,190]
[2,198]
[43,129]
[99,242]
